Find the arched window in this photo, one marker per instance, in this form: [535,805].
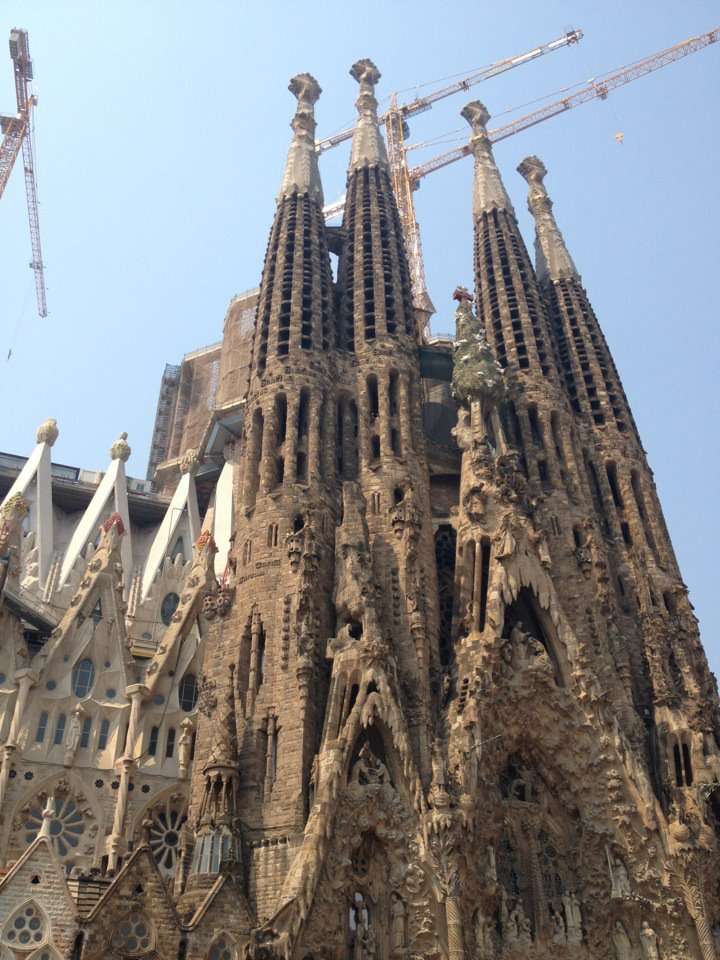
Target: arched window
[170,742]
[134,936]
[41,727]
[166,821]
[168,607]
[222,949]
[104,731]
[85,734]
[153,741]
[59,729]
[83,677]
[44,953]
[188,692]
[67,824]
[26,928]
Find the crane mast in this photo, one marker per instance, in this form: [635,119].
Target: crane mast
[17,137]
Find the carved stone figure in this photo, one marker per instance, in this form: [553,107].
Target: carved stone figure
[649,942]
[621,942]
[397,912]
[369,769]
[185,746]
[559,934]
[573,918]
[620,882]
[72,738]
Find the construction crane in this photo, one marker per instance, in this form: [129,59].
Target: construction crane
[17,137]
[396,130]
[596,89]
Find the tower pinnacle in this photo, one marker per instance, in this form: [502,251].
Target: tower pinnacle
[553,262]
[301,169]
[368,146]
[488,191]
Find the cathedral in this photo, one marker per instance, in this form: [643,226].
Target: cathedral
[389,657]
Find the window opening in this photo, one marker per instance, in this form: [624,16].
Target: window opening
[103,736]
[83,677]
[59,729]
[170,742]
[373,400]
[153,742]
[687,765]
[188,692]
[41,727]
[85,733]
[484,578]
[169,605]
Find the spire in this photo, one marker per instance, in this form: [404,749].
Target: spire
[552,260]
[301,169]
[368,146]
[488,190]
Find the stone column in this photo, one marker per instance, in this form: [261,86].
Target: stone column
[8,751]
[268,467]
[456,949]
[127,765]
[271,734]
[252,465]
[291,438]
[314,466]
[404,415]
[135,694]
[253,673]
[365,423]
[384,418]
[329,438]
[25,679]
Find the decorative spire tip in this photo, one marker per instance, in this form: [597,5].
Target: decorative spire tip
[532,169]
[477,115]
[366,73]
[305,88]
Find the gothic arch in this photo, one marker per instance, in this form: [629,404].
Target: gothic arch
[526,613]
[27,927]
[223,947]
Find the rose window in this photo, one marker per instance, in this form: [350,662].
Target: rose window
[164,834]
[134,936]
[67,824]
[26,928]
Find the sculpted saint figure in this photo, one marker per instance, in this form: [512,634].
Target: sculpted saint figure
[573,918]
[397,911]
[619,878]
[621,942]
[649,942]
[73,734]
[558,935]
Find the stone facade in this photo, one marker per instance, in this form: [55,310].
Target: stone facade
[393,659]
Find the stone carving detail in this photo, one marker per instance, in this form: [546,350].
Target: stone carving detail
[47,432]
[621,942]
[649,942]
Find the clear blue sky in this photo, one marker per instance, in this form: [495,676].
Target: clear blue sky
[161,134]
